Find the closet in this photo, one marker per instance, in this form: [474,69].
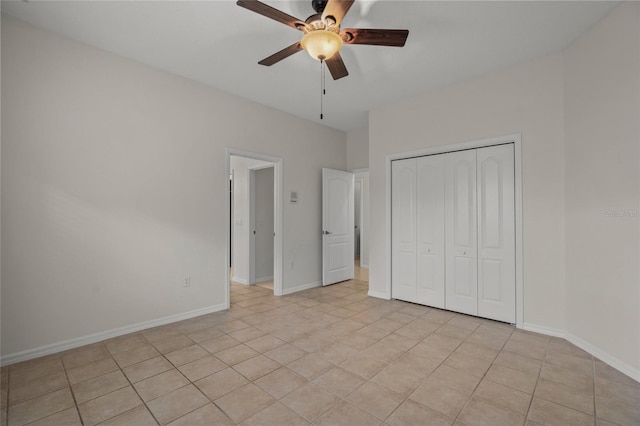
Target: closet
[453,231]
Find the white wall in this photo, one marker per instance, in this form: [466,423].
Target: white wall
[524,99]
[358,149]
[113,176]
[579,115]
[264,224]
[240,257]
[602,98]
[364,226]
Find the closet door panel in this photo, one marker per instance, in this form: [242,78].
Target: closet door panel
[461,232]
[496,233]
[404,232]
[430,225]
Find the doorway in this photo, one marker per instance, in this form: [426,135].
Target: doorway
[244,253]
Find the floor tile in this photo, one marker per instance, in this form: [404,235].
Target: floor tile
[339,381]
[41,406]
[410,413]
[375,399]
[244,402]
[176,404]
[481,413]
[310,401]
[136,355]
[513,378]
[139,416]
[310,366]
[236,354]
[148,368]
[418,365]
[503,396]
[68,417]
[443,399]
[203,367]
[108,406]
[221,383]
[98,386]
[550,413]
[91,370]
[285,354]
[345,414]
[37,387]
[206,415]
[186,355]
[280,382]
[565,395]
[458,380]
[265,343]
[275,414]
[364,365]
[256,367]
[616,412]
[397,379]
[159,385]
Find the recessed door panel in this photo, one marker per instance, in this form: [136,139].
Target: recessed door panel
[404,234]
[430,226]
[496,233]
[461,232]
[337,226]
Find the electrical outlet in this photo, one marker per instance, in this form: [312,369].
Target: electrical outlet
[187,282]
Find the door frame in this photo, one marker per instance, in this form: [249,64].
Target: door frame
[516,139]
[278,217]
[252,219]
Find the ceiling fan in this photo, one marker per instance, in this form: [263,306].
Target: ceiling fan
[322,37]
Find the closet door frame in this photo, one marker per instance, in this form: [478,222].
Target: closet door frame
[516,140]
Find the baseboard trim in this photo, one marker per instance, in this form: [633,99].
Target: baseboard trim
[609,359]
[301,287]
[379,294]
[542,329]
[109,334]
[603,356]
[263,279]
[240,280]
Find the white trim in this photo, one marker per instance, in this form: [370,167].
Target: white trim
[109,334]
[239,280]
[277,163]
[263,279]
[364,170]
[603,356]
[301,287]
[542,329]
[516,139]
[379,294]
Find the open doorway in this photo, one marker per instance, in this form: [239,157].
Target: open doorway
[254,236]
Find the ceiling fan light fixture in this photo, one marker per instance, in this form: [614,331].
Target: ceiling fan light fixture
[321,44]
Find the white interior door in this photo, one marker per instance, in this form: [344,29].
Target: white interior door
[461,232]
[403,225]
[496,233]
[430,226]
[337,226]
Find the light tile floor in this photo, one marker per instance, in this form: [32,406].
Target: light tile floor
[326,356]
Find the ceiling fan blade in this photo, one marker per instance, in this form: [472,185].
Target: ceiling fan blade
[374,37]
[336,66]
[337,9]
[284,53]
[271,12]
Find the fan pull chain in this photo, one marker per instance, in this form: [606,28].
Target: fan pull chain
[322,88]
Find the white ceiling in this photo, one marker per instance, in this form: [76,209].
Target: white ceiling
[219,44]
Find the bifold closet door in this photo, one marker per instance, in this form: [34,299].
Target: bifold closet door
[496,233]
[461,232]
[403,229]
[430,227]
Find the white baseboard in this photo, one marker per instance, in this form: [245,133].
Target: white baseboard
[263,279]
[614,362]
[542,329]
[240,280]
[301,287]
[98,337]
[364,265]
[379,294]
[603,356]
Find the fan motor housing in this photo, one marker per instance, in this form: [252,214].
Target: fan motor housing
[318,5]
